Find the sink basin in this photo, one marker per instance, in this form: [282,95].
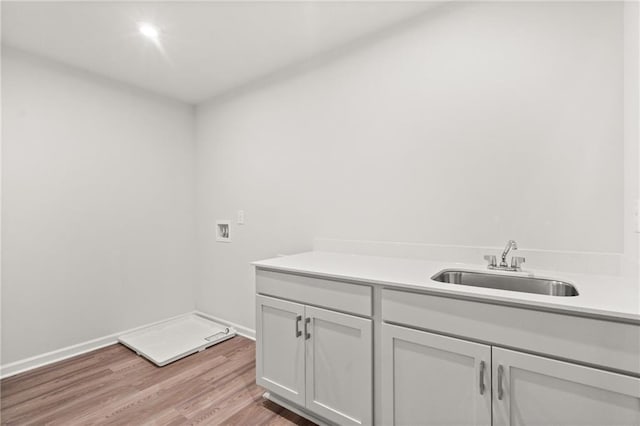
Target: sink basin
[506,282]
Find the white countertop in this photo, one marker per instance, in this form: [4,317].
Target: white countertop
[605,296]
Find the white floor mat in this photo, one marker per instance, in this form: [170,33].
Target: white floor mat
[174,339]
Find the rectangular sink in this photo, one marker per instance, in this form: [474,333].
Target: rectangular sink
[506,282]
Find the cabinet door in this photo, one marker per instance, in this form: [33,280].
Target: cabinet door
[339,366]
[533,390]
[280,353]
[428,379]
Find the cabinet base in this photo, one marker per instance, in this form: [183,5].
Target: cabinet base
[293,408]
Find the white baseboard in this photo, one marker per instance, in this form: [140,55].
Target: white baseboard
[241,330]
[27,364]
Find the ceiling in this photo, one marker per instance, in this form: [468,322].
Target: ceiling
[205,48]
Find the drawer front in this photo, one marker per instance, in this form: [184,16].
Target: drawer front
[588,340]
[339,296]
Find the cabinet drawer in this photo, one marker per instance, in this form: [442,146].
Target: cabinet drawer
[339,296]
[593,341]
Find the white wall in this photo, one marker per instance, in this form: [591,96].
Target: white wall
[631,134]
[98,207]
[475,124]
[481,122]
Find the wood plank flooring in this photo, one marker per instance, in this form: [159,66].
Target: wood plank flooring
[115,386]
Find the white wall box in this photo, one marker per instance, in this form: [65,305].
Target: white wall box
[438,360]
[223,231]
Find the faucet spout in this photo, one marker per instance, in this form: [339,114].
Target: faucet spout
[511,245]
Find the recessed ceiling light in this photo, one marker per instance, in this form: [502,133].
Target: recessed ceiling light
[148,30]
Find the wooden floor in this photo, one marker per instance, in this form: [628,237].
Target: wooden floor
[115,386]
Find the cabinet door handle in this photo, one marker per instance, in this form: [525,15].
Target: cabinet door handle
[307,335]
[500,389]
[298,332]
[482,367]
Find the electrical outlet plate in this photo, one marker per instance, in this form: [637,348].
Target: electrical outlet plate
[223,231]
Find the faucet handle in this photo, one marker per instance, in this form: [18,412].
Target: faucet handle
[516,261]
[491,259]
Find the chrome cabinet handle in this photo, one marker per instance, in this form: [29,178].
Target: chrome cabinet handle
[298,332]
[500,389]
[307,335]
[482,367]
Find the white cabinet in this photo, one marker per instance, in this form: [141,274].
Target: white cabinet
[533,390]
[339,363]
[316,358]
[280,352]
[429,379]
[317,352]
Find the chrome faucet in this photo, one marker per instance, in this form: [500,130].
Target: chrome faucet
[516,261]
[511,245]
